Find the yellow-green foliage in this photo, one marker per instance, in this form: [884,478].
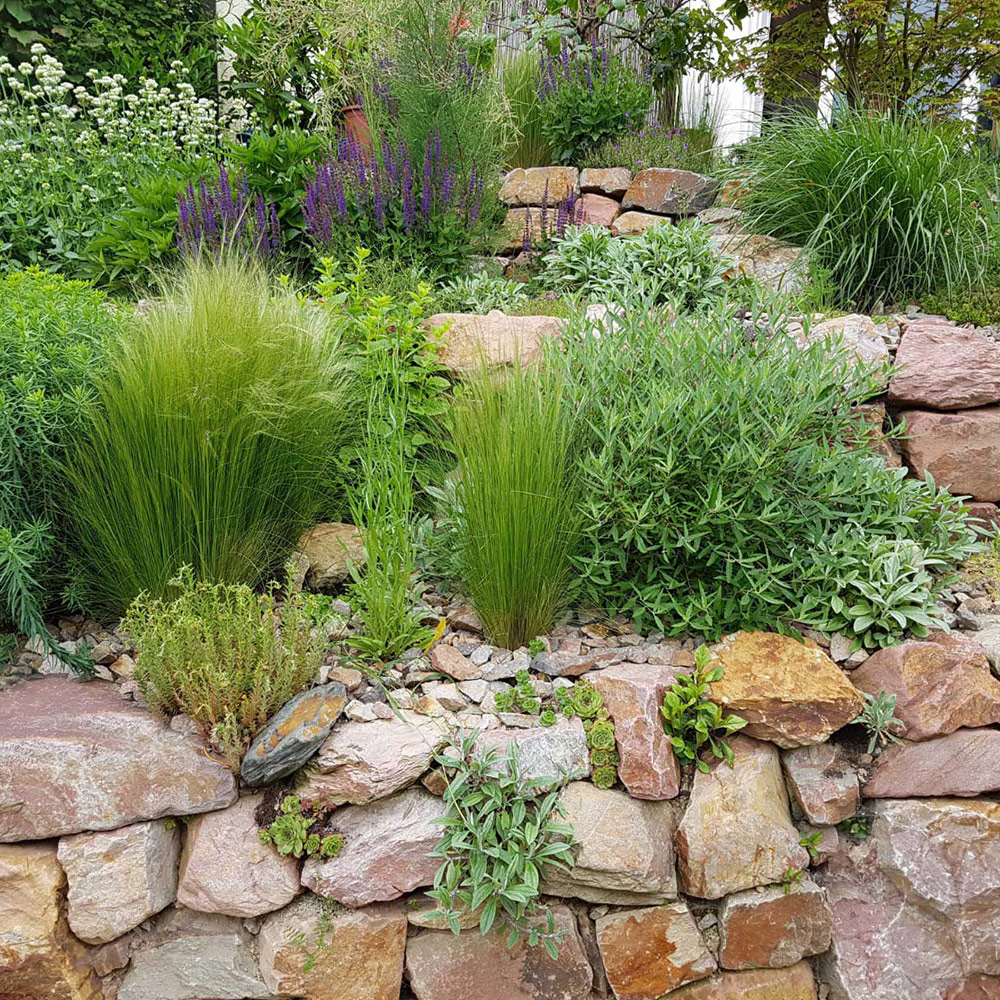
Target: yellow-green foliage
[223,655]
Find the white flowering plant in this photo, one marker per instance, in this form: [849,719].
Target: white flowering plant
[69,153]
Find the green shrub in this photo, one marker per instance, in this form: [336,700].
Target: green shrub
[675,265]
[223,655]
[891,206]
[650,144]
[521,77]
[727,482]
[586,99]
[979,305]
[222,415]
[52,342]
[501,837]
[516,516]
[481,293]
[693,723]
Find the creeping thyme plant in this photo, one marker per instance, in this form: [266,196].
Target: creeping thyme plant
[68,154]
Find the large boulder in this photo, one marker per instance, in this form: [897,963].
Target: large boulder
[916,906]
[855,333]
[554,752]
[775,927]
[793,983]
[963,763]
[624,853]
[76,756]
[329,551]
[737,832]
[194,956]
[648,952]
[612,182]
[940,683]
[39,958]
[960,450]
[539,186]
[596,210]
[468,339]
[307,951]
[226,869]
[293,734]
[940,366]
[823,783]
[633,694]
[789,692]
[778,265]
[667,191]
[119,878]
[387,850]
[445,966]
[364,761]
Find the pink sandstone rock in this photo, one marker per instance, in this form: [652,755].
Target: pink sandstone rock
[987,515]
[119,878]
[940,684]
[773,928]
[75,756]
[961,450]
[612,182]
[387,850]
[976,988]
[964,763]
[916,906]
[444,966]
[823,784]
[449,661]
[737,832]
[666,191]
[649,952]
[945,367]
[226,869]
[633,694]
[343,956]
[596,210]
[794,983]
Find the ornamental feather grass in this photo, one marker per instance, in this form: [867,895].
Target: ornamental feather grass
[891,206]
[221,415]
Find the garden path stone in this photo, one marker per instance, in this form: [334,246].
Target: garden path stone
[74,756]
[293,734]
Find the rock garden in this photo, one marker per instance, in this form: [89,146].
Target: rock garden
[467,532]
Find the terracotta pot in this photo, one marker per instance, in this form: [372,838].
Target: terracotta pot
[357,127]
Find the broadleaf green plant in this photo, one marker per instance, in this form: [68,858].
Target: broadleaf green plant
[222,413]
[501,837]
[693,723]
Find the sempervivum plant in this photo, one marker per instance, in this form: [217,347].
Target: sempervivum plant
[383,200]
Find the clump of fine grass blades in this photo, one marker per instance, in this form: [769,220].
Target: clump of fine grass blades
[221,415]
[516,500]
[223,655]
[530,148]
[891,206]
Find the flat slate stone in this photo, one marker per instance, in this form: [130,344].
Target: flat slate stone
[75,756]
[293,734]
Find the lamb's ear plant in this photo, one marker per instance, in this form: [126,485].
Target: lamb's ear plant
[501,837]
[693,723]
[878,716]
[516,500]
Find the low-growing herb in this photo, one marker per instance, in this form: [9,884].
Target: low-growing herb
[879,718]
[290,832]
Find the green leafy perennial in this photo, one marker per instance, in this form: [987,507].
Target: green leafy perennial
[500,838]
[692,721]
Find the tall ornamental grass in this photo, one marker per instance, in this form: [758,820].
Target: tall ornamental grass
[221,414]
[890,205]
[521,79]
[516,501]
